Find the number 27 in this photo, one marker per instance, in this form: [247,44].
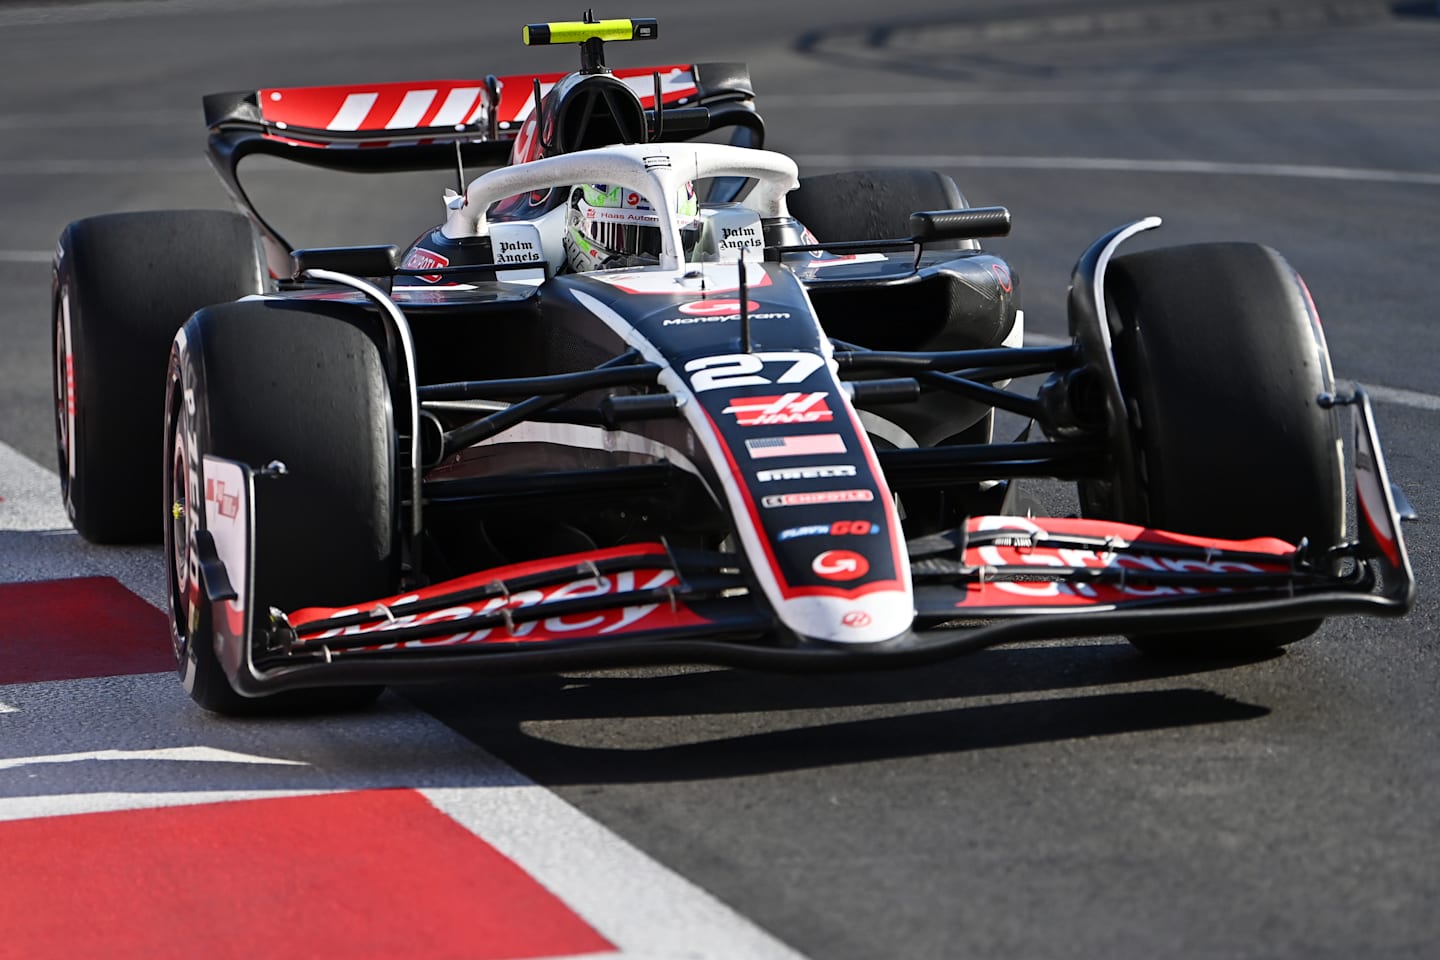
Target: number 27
[744,369]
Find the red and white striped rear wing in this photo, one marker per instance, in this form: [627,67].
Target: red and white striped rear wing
[422,125]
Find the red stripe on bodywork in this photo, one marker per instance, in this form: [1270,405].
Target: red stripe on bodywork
[73,629]
[611,621]
[1033,551]
[373,874]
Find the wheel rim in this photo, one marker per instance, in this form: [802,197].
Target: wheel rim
[64,395]
[178,524]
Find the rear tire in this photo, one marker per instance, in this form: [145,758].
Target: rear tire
[1221,356]
[124,283]
[873,204]
[305,386]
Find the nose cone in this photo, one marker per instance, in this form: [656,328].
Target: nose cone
[870,618]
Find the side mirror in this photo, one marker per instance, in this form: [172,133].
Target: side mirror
[970,224]
[374,261]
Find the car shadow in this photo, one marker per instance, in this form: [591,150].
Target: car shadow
[699,725]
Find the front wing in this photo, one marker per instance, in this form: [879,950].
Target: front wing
[997,580]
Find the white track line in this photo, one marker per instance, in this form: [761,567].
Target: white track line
[74,167]
[1013,98]
[1298,171]
[860,99]
[120,743]
[46,14]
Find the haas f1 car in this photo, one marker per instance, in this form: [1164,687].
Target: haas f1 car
[648,396]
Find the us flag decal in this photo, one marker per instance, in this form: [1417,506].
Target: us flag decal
[786,408]
[815,443]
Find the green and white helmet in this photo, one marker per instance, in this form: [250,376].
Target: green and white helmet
[611,226]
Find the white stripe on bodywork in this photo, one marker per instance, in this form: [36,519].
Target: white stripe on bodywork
[892,433]
[456,108]
[411,110]
[352,113]
[592,438]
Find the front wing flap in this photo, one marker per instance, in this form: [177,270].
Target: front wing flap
[997,580]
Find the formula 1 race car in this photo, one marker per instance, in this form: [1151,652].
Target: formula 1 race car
[650,398]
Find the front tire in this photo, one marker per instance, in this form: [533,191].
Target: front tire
[265,381]
[124,283]
[1221,356]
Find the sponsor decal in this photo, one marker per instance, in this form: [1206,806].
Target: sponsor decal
[600,622]
[422,259]
[816,497]
[1027,548]
[810,445]
[813,530]
[517,251]
[855,619]
[840,565]
[712,308]
[659,161]
[839,528]
[1002,275]
[721,318]
[226,503]
[741,238]
[806,473]
[785,408]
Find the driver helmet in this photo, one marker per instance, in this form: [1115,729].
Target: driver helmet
[612,226]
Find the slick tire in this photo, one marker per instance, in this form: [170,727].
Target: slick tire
[269,381]
[1221,356]
[123,284]
[873,204]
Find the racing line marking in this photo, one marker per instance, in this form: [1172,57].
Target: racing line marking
[294,829]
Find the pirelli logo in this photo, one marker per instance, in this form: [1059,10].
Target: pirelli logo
[806,473]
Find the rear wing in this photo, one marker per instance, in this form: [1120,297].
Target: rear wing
[433,125]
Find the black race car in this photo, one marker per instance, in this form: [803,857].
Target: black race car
[645,397]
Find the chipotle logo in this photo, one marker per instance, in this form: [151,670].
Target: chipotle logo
[422,259]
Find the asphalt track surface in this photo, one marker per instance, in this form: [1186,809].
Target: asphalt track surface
[1062,799]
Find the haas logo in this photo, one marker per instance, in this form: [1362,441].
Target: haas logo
[856,619]
[785,408]
[840,565]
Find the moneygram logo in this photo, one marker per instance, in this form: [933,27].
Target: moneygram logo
[716,308]
[785,408]
[840,565]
